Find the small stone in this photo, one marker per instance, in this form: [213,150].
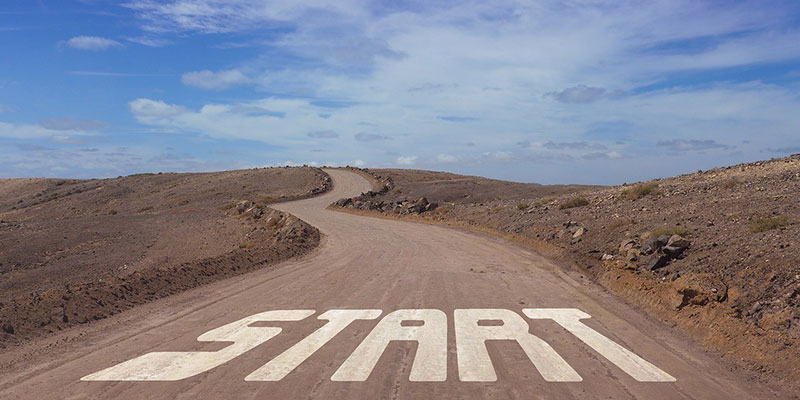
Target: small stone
[578,233]
[8,328]
[607,257]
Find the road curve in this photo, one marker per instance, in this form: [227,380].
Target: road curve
[377,264]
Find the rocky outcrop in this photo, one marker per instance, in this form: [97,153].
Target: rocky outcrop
[655,252]
[401,207]
[372,200]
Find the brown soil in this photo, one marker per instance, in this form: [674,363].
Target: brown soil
[736,289]
[74,251]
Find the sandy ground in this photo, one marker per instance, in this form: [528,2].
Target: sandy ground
[736,288]
[75,251]
[371,263]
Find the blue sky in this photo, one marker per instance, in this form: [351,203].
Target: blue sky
[581,91]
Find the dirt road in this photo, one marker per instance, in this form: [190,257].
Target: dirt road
[443,282]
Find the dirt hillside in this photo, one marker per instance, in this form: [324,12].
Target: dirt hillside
[714,253]
[73,251]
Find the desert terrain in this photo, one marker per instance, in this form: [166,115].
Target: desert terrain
[75,251]
[733,283]
[417,264]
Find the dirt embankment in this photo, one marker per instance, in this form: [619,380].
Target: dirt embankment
[730,275]
[74,251]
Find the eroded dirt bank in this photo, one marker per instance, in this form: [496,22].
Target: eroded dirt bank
[76,251]
[733,281]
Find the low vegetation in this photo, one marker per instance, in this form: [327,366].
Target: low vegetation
[730,183]
[768,223]
[678,230]
[522,206]
[620,222]
[579,201]
[228,206]
[640,190]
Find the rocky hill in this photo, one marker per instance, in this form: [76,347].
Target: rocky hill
[74,251]
[714,253]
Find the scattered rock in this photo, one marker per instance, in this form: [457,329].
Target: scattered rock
[632,254]
[626,245]
[655,244]
[243,206]
[8,328]
[607,257]
[578,233]
[656,261]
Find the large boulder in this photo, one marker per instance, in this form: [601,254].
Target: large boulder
[654,244]
[675,246]
[656,261]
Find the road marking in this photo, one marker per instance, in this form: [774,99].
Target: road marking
[428,327]
[430,362]
[287,361]
[177,365]
[633,365]
[474,364]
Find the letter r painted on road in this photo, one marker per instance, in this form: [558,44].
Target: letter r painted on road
[633,365]
[430,362]
[474,364]
[177,365]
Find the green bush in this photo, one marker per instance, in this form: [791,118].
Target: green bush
[641,190]
[678,230]
[579,201]
[767,223]
[730,183]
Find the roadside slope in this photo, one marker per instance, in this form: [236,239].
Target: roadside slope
[373,263]
[736,287]
[76,251]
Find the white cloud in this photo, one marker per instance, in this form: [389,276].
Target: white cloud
[94,43]
[414,69]
[406,160]
[446,158]
[27,131]
[72,124]
[359,163]
[219,80]
[3,108]
[149,41]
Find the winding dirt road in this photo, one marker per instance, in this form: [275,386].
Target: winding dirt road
[444,292]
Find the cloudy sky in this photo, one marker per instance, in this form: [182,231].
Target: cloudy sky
[573,91]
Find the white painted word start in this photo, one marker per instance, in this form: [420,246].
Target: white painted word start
[429,331]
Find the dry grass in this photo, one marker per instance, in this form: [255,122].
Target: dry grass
[641,190]
[522,206]
[678,230]
[228,206]
[579,201]
[620,222]
[730,183]
[143,209]
[768,223]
